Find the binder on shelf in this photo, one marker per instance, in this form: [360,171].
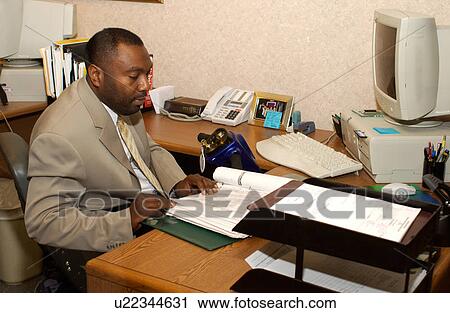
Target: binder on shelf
[64,63]
[307,234]
[48,72]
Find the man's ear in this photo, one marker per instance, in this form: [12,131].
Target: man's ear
[95,75]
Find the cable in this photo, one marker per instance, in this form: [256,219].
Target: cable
[326,141]
[6,120]
[180,116]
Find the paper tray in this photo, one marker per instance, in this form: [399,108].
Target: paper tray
[323,238]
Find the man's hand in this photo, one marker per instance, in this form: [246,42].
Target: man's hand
[147,205]
[193,184]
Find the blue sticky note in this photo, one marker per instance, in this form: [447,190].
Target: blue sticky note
[386,131]
[273,119]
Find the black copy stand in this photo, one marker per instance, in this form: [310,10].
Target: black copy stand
[327,239]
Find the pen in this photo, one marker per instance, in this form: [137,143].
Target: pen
[445,156]
[438,150]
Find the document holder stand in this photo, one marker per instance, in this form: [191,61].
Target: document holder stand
[308,234]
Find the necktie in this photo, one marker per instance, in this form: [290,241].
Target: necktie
[131,145]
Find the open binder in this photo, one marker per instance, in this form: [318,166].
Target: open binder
[306,234]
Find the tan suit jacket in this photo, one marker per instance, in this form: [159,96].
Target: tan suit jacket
[81,181]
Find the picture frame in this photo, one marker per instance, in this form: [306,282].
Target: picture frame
[148,104]
[263,102]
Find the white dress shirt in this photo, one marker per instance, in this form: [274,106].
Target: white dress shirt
[146,186]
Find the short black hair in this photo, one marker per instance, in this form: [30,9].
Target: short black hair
[103,44]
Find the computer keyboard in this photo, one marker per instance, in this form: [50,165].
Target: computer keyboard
[307,155]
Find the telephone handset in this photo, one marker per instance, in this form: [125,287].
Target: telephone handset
[228,106]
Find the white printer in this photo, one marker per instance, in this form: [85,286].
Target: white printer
[390,153]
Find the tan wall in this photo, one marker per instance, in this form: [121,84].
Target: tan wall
[318,51]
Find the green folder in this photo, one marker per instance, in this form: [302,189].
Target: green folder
[199,236]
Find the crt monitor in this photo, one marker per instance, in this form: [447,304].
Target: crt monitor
[28,25]
[10,27]
[411,66]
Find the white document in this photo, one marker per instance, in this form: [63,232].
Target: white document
[81,69]
[310,202]
[51,70]
[67,68]
[266,255]
[249,180]
[160,95]
[48,74]
[334,273]
[58,69]
[219,212]
[222,211]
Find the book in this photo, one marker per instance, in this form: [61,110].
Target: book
[222,211]
[185,105]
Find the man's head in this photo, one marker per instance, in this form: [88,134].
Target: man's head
[118,69]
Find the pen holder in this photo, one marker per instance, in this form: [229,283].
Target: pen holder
[435,168]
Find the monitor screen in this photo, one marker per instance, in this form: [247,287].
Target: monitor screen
[385,41]
[10,26]
[406,64]
[25,26]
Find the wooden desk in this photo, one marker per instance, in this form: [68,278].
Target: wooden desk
[21,116]
[20,109]
[158,262]
[181,137]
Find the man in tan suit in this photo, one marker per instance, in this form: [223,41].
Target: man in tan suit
[92,182]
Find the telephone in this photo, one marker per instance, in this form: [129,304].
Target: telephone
[228,106]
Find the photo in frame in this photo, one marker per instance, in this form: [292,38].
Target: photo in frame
[271,110]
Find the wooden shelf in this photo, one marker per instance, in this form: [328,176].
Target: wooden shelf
[17,109]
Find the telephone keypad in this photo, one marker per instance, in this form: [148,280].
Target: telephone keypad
[232,114]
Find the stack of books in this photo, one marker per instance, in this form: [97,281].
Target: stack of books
[64,62]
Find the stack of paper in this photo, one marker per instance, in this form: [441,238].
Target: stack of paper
[331,272]
[222,211]
[350,211]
